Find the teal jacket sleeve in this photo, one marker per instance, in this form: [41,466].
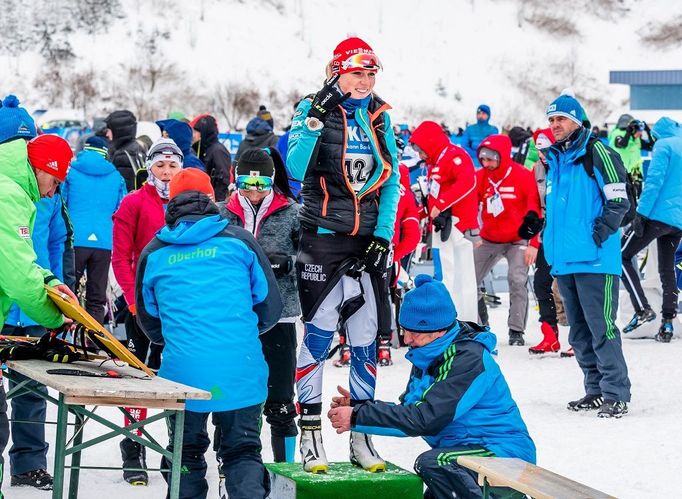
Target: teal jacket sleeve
[302,143]
[390,191]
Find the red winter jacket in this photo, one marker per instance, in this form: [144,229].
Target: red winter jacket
[517,189]
[136,221]
[451,174]
[407,231]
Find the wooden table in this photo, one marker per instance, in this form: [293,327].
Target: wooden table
[75,392]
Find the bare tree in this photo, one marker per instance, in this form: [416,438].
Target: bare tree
[236,102]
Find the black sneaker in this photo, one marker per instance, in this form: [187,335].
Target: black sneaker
[134,458]
[40,479]
[613,409]
[665,333]
[646,315]
[516,338]
[587,403]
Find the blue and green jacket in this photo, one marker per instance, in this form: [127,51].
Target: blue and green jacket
[661,198]
[205,290]
[456,395]
[317,158]
[582,229]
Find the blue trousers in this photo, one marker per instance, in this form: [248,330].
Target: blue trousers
[29,448]
[239,453]
[444,478]
[591,303]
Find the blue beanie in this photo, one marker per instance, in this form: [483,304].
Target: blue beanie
[96,144]
[485,108]
[427,308]
[15,122]
[568,106]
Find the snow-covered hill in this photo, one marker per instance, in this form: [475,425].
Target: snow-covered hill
[441,57]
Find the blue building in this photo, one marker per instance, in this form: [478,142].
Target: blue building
[651,90]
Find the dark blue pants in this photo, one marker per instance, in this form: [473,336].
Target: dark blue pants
[444,478]
[239,453]
[29,448]
[591,303]
[4,431]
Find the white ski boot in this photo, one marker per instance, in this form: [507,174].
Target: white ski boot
[312,452]
[363,454]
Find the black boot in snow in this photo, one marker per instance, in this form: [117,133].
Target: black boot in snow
[516,338]
[587,403]
[134,457]
[40,479]
[665,333]
[613,409]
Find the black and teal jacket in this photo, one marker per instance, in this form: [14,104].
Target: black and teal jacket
[456,395]
[317,158]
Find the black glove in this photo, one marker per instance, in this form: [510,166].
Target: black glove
[531,226]
[327,99]
[443,224]
[638,225]
[376,256]
[281,264]
[600,232]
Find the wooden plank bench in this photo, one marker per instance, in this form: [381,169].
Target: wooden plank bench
[289,481]
[526,478]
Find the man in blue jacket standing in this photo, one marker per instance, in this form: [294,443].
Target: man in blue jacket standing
[659,217]
[582,244]
[475,134]
[456,399]
[28,454]
[206,290]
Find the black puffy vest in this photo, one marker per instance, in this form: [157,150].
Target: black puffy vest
[328,199]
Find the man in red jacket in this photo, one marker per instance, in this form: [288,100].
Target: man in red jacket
[511,205]
[453,211]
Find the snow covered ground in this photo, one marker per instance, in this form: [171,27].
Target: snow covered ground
[632,457]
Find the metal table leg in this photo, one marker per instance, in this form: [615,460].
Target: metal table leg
[59,451]
[76,456]
[176,466]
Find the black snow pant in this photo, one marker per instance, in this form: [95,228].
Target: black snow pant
[591,303]
[4,431]
[95,262]
[139,344]
[444,478]
[29,447]
[542,285]
[239,453]
[667,239]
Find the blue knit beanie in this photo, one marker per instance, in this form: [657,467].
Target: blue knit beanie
[568,106]
[485,108]
[427,308]
[15,122]
[96,144]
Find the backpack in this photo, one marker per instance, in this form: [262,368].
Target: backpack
[588,164]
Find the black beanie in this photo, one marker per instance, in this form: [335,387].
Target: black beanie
[255,162]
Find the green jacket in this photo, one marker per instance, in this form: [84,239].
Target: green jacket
[21,279]
[631,154]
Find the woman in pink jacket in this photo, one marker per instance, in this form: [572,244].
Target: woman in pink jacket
[138,218]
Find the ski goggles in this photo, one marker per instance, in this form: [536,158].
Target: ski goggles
[254,183]
[361,61]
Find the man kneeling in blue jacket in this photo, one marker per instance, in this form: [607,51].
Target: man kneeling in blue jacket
[205,290]
[456,398]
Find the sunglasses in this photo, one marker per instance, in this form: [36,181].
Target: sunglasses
[361,61]
[249,183]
